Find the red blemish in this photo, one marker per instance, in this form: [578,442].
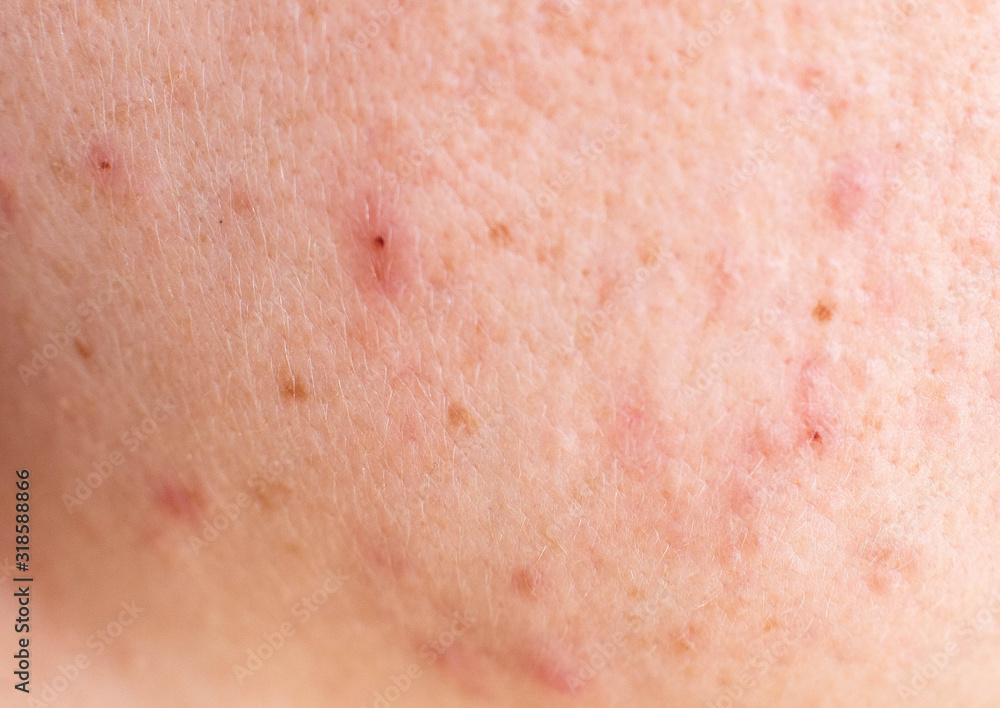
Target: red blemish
[178,501]
[851,190]
[381,557]
[385,252]
[552,672]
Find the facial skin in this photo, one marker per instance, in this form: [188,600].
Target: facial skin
[479,354]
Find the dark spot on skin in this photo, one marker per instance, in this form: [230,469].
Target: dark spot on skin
[8,203]
[822,313]
[81,347]
[295,388]
[500,235]
[816,437]
[459,417]
[526,581]
[379,242]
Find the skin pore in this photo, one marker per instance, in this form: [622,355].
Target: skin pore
[504,354]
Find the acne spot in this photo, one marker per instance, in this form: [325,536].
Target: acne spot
[822,312]
[460,418]
[82,348]
[526,581]
[179,501]
[850,189]
[294,388]
[385,252]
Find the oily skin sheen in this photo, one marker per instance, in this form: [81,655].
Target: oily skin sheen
[504,354]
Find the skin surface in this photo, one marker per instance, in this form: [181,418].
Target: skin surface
[503,354]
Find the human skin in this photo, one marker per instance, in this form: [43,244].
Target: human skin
[535,354]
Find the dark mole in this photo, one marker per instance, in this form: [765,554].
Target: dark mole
[85,351]
[295,389]
[822,313]
[379,241]
[816,437]
[104,165]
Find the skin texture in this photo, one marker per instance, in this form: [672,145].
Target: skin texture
[504,354]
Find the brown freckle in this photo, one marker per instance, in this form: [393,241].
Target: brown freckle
[526,581]
[500,235]
[822,313]
[295,388]
[85,351]
[379,241]
[816,437]
[460,417]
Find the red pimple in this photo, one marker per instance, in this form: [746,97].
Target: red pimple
[385,252]
[851,190]
[178,501]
